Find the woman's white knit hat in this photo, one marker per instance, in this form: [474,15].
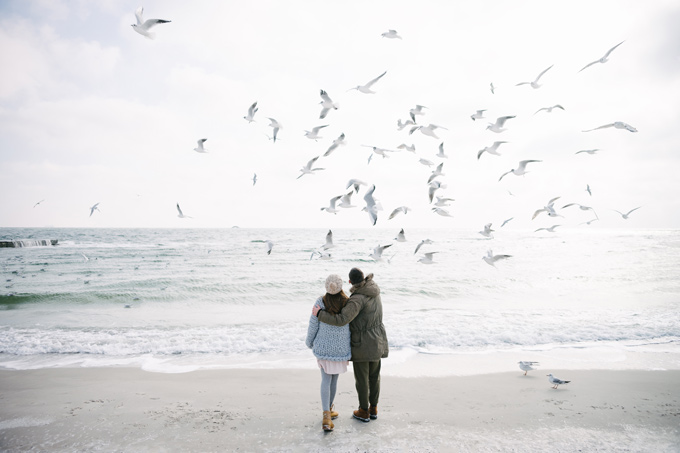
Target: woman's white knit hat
[333,284]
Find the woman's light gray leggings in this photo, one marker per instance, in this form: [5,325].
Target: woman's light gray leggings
[329,383]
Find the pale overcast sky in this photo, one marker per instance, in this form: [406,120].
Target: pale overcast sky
[93,112]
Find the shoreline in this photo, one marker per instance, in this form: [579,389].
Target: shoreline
[128,409]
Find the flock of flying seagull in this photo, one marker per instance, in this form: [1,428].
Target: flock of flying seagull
[372,205]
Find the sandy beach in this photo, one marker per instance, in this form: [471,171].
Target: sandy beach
[128,409]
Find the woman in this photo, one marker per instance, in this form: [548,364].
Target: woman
[330,345]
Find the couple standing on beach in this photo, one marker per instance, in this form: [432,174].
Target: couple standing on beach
[345,328]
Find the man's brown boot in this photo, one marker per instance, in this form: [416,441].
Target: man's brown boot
[362,414]
[373,412]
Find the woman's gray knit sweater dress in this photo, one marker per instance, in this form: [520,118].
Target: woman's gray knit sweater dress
[328,342]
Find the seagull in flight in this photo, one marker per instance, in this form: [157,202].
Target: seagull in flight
[38,203]
[329,241]
[391,34]
[276,126]
[401,237]
[506,221]
[588,190]
[181,214]
[550,109]
[535,83]
[436,172]
[314,133]
[346,201]
[443,201]
[401,125]
[423,242]
[520,170]
[441,153]
[527,366]
[307,169]
[143,26]
[582,208]
[433,187]
[491,259]
[486,232]
[548,209]
[270,246]
[254,178]
[549,229]
[404,209]
[588,151]
[492,88]
[326,104]
[378,251]
[200,148]
[604,59]
[427,130]
[617,125]
[415,111]
[355,183]
[252,110]
[331,207]
[371,206]
[94,208]
[427,259]
[625,216]
[497,127]
[493,149]
[478,115]
[553,380]
[442,212]
[366,89]
[411,148]
[337,142]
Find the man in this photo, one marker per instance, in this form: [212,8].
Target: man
[363,312]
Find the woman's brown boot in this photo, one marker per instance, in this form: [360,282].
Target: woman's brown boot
[327,423]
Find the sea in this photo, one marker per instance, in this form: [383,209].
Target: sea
[178,300]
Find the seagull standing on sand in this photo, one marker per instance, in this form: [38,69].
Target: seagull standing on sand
[497,127]
[491,259]
[493,149]
[95,208]
[625,216]
[366,89]
[615,124]
[337,142]
[181,214]
[391,34]
[527,366]
[276,126]
[143,26]
[307,169]
[520,170]
[326,104]
[535,83]
[553,380]
[252,110]
[604,59]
